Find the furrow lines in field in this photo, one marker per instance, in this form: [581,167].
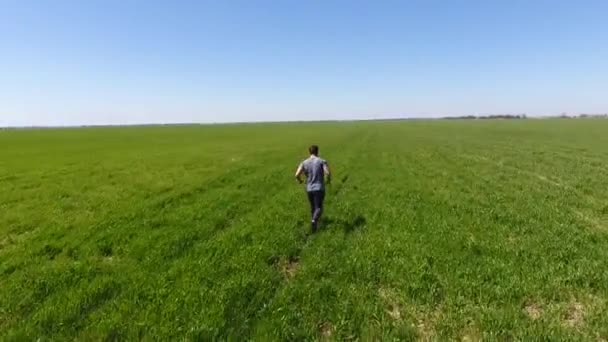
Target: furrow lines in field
[592,201]
[582,174]
[433,230]
[311,251]
[248,232]
[499,164]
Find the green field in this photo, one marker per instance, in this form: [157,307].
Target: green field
[433,230]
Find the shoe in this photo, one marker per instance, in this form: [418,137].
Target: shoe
[313,226]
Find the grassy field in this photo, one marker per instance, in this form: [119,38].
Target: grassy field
[433,230]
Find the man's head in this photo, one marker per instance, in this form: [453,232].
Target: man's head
[314,150]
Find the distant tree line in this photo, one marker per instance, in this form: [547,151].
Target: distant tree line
[487,117]
[523,116]
[581,116]
[593,116]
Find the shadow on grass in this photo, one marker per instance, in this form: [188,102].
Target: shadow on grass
[349,225]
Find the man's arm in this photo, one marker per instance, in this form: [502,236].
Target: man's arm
[327,172]
[299,172]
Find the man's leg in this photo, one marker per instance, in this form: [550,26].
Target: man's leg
[311,200]
[318,197]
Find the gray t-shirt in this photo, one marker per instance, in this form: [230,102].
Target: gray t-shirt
[313,169]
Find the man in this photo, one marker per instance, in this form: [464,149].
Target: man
[315,169]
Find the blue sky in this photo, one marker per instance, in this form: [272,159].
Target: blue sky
[126,62]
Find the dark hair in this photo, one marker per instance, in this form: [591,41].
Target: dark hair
[313,149]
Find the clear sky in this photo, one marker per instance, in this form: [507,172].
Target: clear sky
[125,62]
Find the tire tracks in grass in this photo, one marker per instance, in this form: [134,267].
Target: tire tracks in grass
[509,155]
[145,210]
[224,210]
[211,191]
[442,158]
[309,245]
[114,227]
[538,242]
[213,250]
[346,267]
[106,231]
[413,222]
[446,188]
[277,239]
[480,158]
[540,158]
[592,201]
[223,271]
[159,268]
[165,197]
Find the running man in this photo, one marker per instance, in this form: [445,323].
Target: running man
[315,169]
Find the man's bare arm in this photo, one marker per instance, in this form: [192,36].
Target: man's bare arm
[299,172]
[327,172]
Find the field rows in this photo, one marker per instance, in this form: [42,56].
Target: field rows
[433,230]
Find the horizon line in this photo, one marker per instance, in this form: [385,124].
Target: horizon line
[413,118]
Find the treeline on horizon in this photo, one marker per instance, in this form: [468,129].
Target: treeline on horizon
[524,116]
[464,117]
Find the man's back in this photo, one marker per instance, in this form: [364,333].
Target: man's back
[313,167]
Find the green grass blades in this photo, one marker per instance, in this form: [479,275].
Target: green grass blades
[433,230]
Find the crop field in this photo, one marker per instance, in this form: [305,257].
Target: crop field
[433,230]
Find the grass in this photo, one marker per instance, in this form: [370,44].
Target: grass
[433,230]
